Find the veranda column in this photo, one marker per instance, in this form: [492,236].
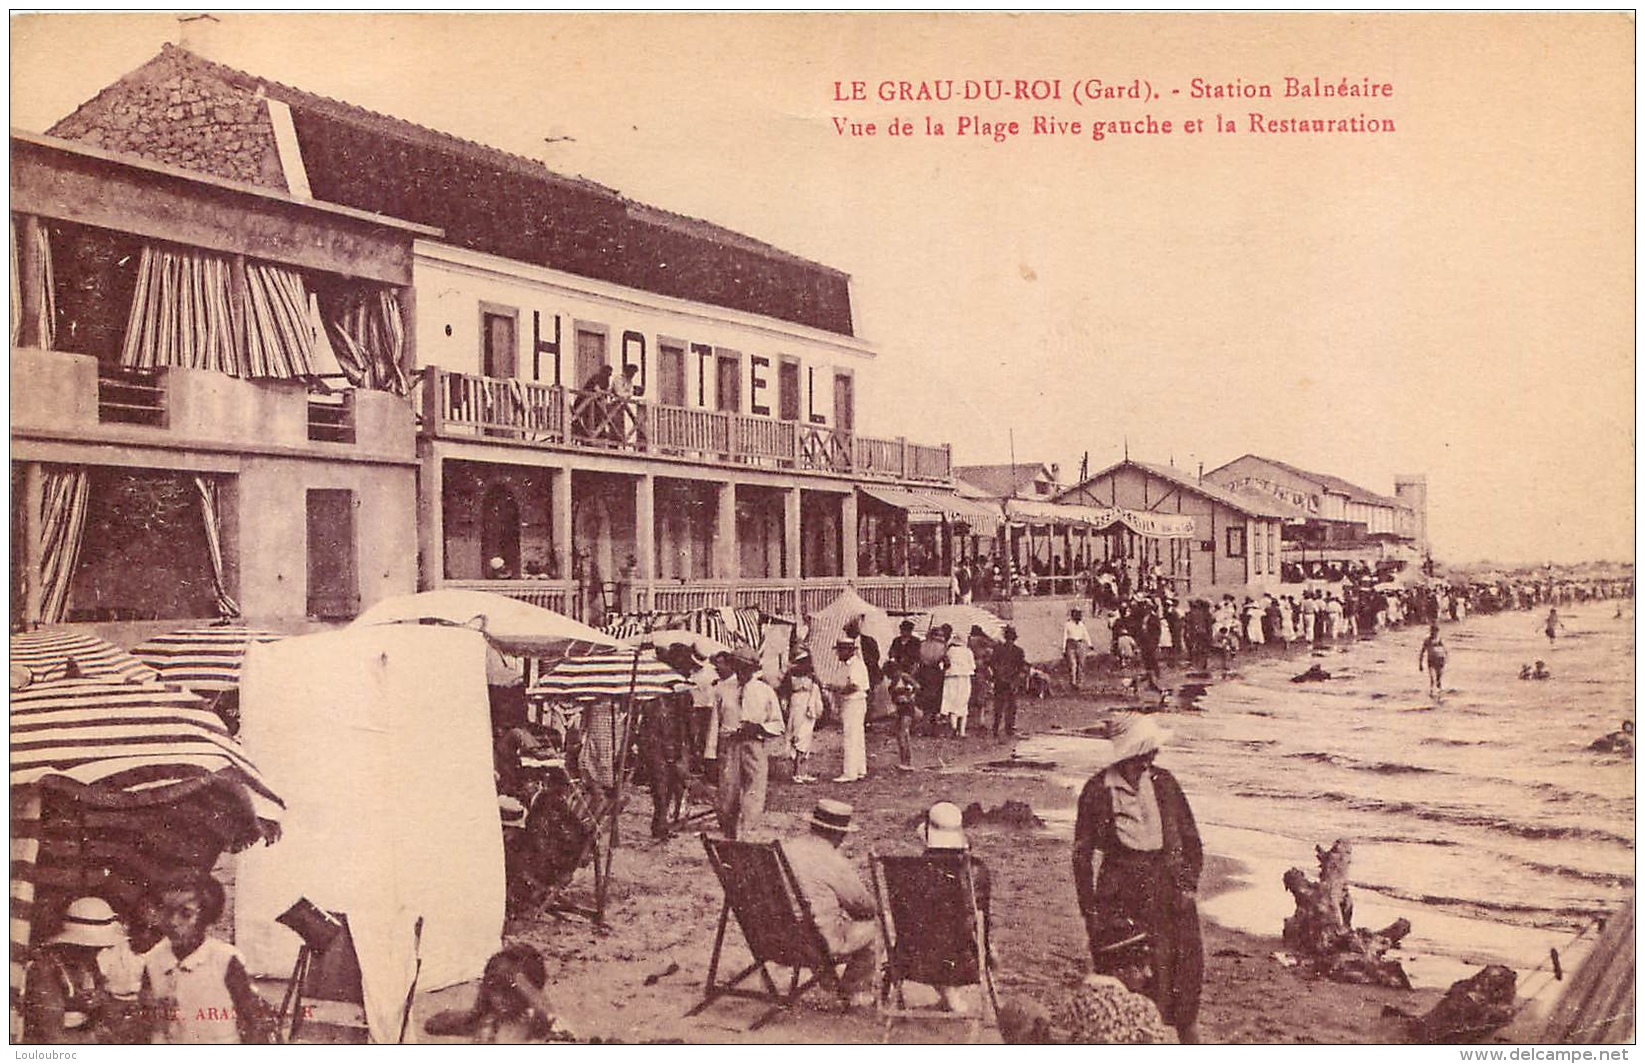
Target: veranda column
[431,531]
[726,563]
[645,539]
[559,515]
[848,535]
[32,272]
[791,534]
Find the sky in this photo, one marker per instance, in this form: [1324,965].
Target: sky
[1455,298]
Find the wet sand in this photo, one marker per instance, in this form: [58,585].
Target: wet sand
[665,904]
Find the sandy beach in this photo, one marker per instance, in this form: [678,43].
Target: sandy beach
[666,901]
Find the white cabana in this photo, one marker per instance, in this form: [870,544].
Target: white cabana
[381,739]
[828,624]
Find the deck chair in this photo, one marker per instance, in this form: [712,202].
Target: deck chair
[933,933]
[776,922]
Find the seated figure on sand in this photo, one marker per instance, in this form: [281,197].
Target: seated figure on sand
[1108,1008]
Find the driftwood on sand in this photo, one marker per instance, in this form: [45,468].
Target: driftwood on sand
[1322,931]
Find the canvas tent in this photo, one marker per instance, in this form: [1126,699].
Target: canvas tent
[828,624]
[381,738]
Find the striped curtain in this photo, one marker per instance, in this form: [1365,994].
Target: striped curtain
[25,851]
[182,313]
[61,527]
[367,334]
[47,325]
[279,336]
[210,513]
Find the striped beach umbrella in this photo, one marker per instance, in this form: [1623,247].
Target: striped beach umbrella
[116,786]
[46,654]
[204,658]
[609,676]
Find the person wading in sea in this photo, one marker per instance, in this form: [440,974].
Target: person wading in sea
[1432,657]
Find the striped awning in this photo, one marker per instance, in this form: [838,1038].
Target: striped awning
[708,621]
[206,658]
[929,506]
[611,676]
[46,654]
[1144,522]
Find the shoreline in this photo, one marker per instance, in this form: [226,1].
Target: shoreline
[665,904]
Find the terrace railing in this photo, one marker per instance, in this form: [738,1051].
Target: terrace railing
[466,405]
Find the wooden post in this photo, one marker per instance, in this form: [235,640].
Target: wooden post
[431,518]
[407,295]
[645,539]
[902,457]
[34,493]
[726,555]
[560,517]
[31,282]
[240,310]
[791,534]
[848,535]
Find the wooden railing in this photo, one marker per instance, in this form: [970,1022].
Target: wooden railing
[331,416]
[670,598]
[464,404]
[549,594]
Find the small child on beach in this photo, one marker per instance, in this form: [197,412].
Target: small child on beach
[189,976]
[804,707]
[1432,655]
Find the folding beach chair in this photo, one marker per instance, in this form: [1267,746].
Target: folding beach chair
[933,933]
[776,922]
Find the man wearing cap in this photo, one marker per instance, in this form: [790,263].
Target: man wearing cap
[905,649]
[1076,643]
[750,716]
[853,702]
[1010,666]
[840,903]
[1135,815]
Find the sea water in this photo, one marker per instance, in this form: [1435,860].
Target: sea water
[1482,816]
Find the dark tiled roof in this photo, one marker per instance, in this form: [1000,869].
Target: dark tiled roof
[1256,504]
[1003,481]
[1324,480]
[505,204]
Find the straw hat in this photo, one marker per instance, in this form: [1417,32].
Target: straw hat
[90,922]
[831,815]
[745,656]
[944,828]
[845,642]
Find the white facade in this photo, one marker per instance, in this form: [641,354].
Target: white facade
[456,287]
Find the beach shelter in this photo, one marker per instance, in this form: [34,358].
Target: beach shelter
[46,654]
[380,736]
[116,787]
[961,618]
[202,658]
[828,624]
[510,625]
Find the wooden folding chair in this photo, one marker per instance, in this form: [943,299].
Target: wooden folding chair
[776,921]
[933,933]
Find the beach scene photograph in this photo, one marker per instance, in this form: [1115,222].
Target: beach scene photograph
[809,529]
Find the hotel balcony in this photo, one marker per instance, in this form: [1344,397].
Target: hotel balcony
[465,406]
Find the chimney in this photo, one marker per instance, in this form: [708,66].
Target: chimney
[1202,472]
[1056,471]
[197,34]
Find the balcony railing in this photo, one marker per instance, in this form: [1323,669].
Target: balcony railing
[780,598]
[465,405]
[131,397]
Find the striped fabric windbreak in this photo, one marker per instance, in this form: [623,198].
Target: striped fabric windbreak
[204,658]
[182,313]
[25,851]
[279,333]
[368,337]
[609,676]
[46,324]
[46,655]
[708,621]
[62,528]
[748,625]
[131,737]
[209,511]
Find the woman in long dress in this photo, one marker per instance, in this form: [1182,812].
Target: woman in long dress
[1134,814]
[1253,623]
[956,684]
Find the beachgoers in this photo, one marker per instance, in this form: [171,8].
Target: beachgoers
[1076,643]
[804,709]
[195,988]
[1552,625]
[1109,1007]
[68,999]
[956,685]
[1010,670]
[750,714]
[905,693]
[1432,655]
[1134,814]
[841,905]
[853,702]
[943,831]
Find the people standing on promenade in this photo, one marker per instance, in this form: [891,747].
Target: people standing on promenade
[1076,643]
[1134,814]
[1010,669]
[1552,625]
[1432,655]
[853,702]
